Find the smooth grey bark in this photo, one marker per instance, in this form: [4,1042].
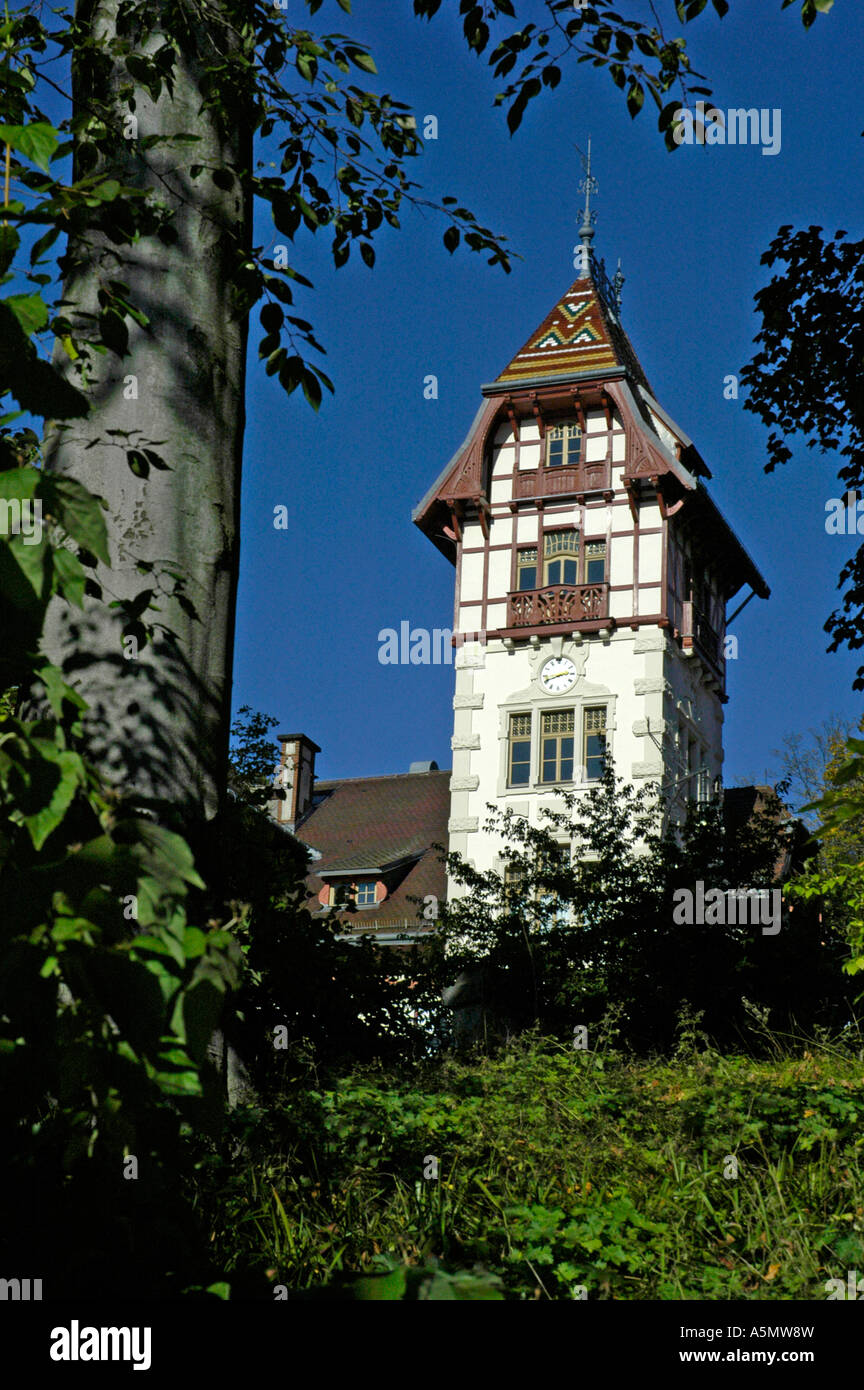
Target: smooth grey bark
[158,723]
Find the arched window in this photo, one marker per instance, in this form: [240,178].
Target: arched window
[561,557]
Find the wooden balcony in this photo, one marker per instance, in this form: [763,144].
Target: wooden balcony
[558,605]
[558,482]
[698,634]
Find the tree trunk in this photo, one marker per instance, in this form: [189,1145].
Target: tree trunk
[159,713]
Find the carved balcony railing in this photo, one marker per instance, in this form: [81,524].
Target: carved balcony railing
[558,604]
[554,482]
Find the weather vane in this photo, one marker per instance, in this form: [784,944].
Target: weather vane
[585,255]
[588,185]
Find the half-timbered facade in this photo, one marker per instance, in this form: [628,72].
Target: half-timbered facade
[593,571]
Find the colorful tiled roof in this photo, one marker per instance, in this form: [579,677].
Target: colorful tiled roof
[581,334]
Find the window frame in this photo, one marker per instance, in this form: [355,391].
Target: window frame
[571,432]
[589,733]
[558,737]
[562,556]
[513,740]
[589,558]
[364,884]
[522,550]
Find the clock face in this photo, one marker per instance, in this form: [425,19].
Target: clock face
[558,675]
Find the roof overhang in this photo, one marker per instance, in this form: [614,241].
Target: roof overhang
[368,870]
[540,383]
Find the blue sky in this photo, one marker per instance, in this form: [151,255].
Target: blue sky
[689,227]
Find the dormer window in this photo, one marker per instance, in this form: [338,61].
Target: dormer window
[563,445]
[364,892]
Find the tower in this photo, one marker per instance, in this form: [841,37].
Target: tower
[596,569]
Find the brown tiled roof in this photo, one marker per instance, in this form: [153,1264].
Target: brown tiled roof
[742,804]
[376,825]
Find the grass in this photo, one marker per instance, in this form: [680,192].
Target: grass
[558,1172]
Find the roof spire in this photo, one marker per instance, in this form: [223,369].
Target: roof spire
[588,185]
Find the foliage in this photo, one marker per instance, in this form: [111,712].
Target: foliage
[254,756]
[108,995]
[340,155]
[836,880]
[806,377]
[304,985]
[576,930]
[804,759]
[557,1171]
[340,167]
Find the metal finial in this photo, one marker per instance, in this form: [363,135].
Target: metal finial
[618,280]
[588,185]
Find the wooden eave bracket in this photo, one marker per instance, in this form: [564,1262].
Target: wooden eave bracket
[580,413]
[538,414]
[630,485]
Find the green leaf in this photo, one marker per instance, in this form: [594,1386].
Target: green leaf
[32,562]
[106,191]
[9,243]
[139,465]
[71,775]
[33,382]
[311,388]
[44,243]
[309,213]
[378,1287]
[272,317]
[635,98]
[30,310]
[363,60]
[56,688]
[194,942]
[19,483]
[78,512]
[291,374]
[37,142]
[71,578]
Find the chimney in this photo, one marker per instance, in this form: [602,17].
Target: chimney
[296,777]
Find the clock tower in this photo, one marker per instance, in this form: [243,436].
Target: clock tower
[595,570]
